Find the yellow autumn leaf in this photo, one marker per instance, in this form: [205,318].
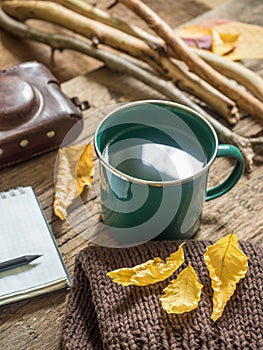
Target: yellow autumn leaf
[233,39]
[193,31]
[227,264]
[250,40]
[85,169]
[183,293]
[223,43]
[150,272]
[206,36]
[75,171]
[196,36]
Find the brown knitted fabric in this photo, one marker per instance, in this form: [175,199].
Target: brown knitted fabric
[101,314]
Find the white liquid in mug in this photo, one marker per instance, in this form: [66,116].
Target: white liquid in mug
[157,160]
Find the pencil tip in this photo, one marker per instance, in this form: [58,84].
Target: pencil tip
[32,257]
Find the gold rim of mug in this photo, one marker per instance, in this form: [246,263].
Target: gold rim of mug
[147,182]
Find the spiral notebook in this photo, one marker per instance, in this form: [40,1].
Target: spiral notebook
[25,231]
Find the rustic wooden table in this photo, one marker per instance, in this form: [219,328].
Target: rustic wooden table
[37,324]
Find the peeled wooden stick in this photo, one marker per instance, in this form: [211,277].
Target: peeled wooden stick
[242,98]
[252,81]
[94,12]
[119,64]
[236,71]
[100,33]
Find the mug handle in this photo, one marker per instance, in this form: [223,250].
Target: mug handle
[225,186]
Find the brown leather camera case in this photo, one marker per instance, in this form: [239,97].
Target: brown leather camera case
[35,115]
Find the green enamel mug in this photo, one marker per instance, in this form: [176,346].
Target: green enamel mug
[154,160]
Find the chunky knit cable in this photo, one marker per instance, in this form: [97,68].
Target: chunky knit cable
[102,315]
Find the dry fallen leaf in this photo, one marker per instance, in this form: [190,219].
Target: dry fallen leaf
[196,36]
[223,43]
[227,264]
[231,39]
[85,169]
[250,40]
[183,293]
[206,36]
[75,171]
[150,272]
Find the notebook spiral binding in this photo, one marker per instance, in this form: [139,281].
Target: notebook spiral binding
[12,192]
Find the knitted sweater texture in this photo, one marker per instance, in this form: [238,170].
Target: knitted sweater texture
[102,315]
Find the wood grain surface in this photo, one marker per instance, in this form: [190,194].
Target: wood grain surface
[36,324]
